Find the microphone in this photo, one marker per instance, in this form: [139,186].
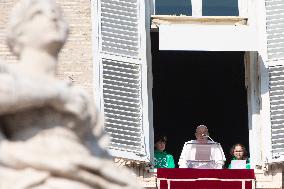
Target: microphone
[219,146]
[207,136]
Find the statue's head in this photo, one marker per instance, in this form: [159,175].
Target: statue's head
[36,24]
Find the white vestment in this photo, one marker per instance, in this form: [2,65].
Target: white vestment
[188,157]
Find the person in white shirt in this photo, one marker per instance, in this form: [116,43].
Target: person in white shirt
[189,157]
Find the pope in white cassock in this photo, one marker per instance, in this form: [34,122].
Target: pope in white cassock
[202,153]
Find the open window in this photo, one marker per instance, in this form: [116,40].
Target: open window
[199,87]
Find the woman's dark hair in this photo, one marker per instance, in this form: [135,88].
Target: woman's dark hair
[162,138]
[245,156]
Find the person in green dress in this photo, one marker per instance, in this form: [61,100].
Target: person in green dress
[238,152]
[162,159]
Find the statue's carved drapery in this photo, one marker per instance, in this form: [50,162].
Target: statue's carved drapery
[50,133]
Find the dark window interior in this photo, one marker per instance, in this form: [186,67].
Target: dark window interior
[194,87]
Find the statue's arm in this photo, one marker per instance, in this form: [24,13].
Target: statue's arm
[19,92]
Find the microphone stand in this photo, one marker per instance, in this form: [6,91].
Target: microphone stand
[219,147]
[208,137]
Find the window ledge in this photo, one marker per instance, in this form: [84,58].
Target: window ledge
[157,20]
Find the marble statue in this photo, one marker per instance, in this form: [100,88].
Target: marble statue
[51,136]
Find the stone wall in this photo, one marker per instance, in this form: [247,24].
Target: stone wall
[141,170]
[75,59]
[5,9]
[271,179]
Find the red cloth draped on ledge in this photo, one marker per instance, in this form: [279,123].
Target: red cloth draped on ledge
[206,178]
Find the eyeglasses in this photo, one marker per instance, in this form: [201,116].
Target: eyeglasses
[238,151]
[202,133]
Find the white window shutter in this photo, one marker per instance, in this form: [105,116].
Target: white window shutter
[121,48]
[275,53]
[275,29]
[276,93]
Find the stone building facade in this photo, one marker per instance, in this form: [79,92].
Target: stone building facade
[75,59]
[77,64]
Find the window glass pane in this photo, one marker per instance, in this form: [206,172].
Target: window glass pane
[173,7]
[220,8]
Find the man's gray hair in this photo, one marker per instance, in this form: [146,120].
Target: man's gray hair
[199,126]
